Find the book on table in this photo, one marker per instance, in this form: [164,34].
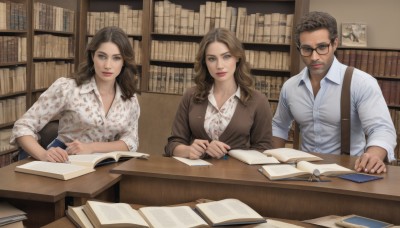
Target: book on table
[289,155]
[11,216]
[101,214]
[228,212]
[302,169]
[356,221]
[78,165]
[252,157]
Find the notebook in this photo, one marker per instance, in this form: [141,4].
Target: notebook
[359,177]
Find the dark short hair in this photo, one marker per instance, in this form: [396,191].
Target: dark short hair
[128,78]
[315,20]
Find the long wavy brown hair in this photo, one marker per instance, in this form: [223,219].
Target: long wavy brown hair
[128,78]
[203,79]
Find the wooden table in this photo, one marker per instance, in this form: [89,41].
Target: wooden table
[44,199]
[166,181]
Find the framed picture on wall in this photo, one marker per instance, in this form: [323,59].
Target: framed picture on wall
[354,35]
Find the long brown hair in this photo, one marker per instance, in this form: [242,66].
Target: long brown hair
[128,77]
[203,79]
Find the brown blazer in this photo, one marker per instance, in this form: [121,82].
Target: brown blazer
[249,128]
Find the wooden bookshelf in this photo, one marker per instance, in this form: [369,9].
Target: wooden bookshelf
[13,69]
[384,65]
[23,25]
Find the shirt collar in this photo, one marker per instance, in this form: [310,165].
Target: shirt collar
[91,86]
[334,74]
[237,93]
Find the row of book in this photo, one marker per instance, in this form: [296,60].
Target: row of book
[170,79]
[47,72]
[12,79]
[12,15]
[269,85]
[174,50]
[374,62]
[54,18]
[268,60]
[186,52]
[390,90]
[172,18]
[5,135]
[51,46]
[128,19]
[13,49]
[11,109]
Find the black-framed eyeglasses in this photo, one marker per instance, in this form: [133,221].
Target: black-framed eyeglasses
[321,49]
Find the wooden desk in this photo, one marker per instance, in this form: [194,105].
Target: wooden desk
[44,199]
[166,181]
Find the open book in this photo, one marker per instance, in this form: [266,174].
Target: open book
[78,164]
[252,157]
[93,160]
[289,155]
[303,169]
[228,212]
[100,214]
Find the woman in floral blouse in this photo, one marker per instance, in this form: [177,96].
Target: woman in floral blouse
[222,111]
[98,110]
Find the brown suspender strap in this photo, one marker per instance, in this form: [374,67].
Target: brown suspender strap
[345,108]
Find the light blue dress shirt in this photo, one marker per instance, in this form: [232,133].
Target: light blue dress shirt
[319,117]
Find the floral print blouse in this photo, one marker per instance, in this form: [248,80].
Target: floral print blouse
[81,115]
[216,120]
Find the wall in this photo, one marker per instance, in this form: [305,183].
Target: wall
[381,17]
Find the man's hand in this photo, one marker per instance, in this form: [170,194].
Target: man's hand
[372,161]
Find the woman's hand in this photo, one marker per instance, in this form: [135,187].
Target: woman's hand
[198,148]
[217,149]
[55,154]
[77,147]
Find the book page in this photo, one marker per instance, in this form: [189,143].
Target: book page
[178,217]
[324,169]
[77,214]
[252,157]
[276,172]
[290,155]
[88,159]
[116,213]
[131,154]
[228,210]
[190,162]
[56,170]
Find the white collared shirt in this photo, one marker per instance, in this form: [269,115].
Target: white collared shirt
[82,115]
[216,120]
[319,116]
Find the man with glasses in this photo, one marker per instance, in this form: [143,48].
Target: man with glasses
[312,99]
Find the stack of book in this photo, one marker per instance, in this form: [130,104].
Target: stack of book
[10,216]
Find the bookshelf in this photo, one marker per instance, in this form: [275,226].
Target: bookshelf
[38,38]
[13,71]
[384,65]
